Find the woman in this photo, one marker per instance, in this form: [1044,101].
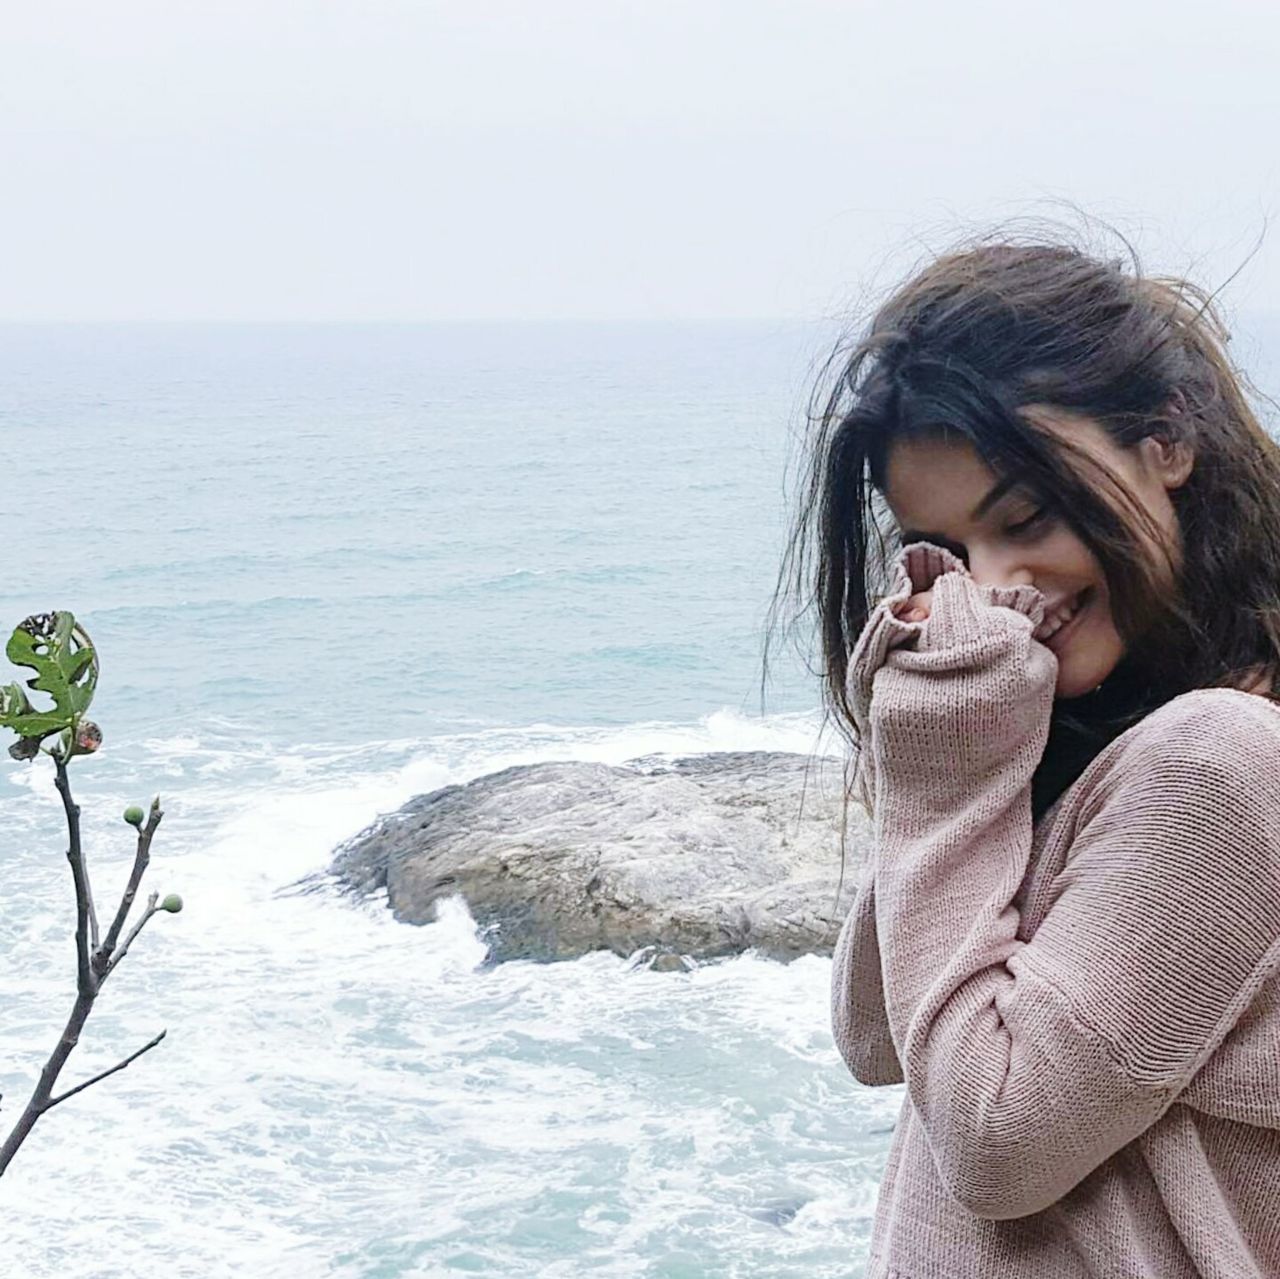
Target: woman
[1067,941]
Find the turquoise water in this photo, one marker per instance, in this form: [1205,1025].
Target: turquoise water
[339,533]
[328,568]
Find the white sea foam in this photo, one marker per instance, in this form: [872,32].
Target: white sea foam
[340,1094]
[363,549]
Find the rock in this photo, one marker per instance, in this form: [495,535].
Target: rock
[659,960]
[778,1211]
[699,857]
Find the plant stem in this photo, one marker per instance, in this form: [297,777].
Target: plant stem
[86,916]
[48,1077]
[120,1065]
[93,964]
[102,961]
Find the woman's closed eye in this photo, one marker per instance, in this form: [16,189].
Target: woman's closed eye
[1032,521]
[1030,525]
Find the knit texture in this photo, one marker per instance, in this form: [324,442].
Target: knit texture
[1086,1010]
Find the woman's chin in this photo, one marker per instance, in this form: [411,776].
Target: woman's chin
[1067,687]
[1080,673]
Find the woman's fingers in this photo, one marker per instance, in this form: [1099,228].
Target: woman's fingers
[915,609]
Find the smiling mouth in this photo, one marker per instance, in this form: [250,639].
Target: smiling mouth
[1054,637]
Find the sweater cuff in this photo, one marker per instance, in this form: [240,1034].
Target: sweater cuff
[921,563]
[917,567]
[958,605]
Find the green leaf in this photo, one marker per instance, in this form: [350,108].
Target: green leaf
[66,665]
[14,701]
[37,724]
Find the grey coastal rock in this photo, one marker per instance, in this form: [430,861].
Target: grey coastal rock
[697,857]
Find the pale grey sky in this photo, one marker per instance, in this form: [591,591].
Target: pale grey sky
[406,159]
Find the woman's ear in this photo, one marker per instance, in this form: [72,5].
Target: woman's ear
[1176,456]
[1171,461]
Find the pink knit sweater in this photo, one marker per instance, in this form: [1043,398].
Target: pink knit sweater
[1085,1012]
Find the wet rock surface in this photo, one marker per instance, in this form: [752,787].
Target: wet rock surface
[698,857]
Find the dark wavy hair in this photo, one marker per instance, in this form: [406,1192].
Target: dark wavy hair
[1002,322]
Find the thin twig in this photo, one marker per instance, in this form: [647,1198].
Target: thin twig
[133,932]
[91,969]
[86,916]
[141,858]
[48,1077]
[71,1092]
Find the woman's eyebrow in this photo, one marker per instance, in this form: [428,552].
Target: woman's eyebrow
[994,494]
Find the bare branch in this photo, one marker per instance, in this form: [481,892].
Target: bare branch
[71,1092]
[133,932]
[86,916]
[102,955]
[48,1077]
[92,968]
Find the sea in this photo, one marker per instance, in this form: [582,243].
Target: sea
[327,568]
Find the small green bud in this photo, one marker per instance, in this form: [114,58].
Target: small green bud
[133,815]
[172,903]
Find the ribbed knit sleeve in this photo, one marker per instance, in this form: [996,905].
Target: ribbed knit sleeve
[857,1007]
[917,566]
[859,1019]
[1030,1062]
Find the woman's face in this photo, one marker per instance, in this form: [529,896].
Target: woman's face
[942,492]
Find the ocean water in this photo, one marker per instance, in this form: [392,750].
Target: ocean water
[328,568]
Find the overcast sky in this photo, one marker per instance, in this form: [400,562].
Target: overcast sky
[404,159]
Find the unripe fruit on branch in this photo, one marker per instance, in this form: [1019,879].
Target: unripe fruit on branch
[133,815]
[172,903]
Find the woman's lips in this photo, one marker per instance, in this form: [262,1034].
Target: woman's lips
[1055,640]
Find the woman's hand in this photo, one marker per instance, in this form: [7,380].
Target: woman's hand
[972,693]
[915,609]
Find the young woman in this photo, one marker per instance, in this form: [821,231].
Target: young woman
[1066,942]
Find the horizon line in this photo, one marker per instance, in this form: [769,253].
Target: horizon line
[437,320]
